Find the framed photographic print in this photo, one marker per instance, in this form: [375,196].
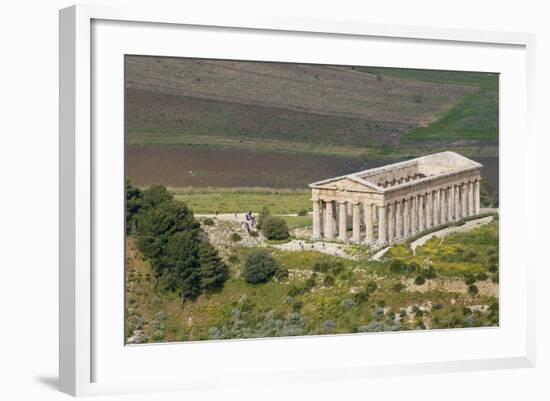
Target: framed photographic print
[280,200]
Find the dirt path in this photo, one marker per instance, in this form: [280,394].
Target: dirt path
[469,225]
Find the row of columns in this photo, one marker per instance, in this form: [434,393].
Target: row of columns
[397,219]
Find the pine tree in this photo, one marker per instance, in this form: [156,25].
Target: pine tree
[213,271]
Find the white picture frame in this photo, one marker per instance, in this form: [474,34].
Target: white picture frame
[85,337]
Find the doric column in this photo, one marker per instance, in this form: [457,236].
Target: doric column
[368,222]
[342,221]
[406,218]
[421,213]
[464,200]
[476,198]
[429,212]
[399,219]
[457,202]
[382,233]
[356,222]
[443,205]
[414,215]
[316,220]
[471,199]
[437,208]
[329,220]
[334,215]
[450,196]
[391,222]
[374,214]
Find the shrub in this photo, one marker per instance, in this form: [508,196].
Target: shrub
[208,222]
[347,303]
[275,228]
[361,297]
[397,266]
[371,286]
[281,274]
[295,291]
[398,287]
[303,212]
[328,281]
[310,282]
[259,267]
[437,306]
[329,326]
[494,279]
[297,306]
[469,279]
[233,259]
[413,267]
[419,280]
[429,273]
[482,276]
[472,289]
[492,268]
[377,312]
[418,98]
[264,214]
[235,237]
[253,233]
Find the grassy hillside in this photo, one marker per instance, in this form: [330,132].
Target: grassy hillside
[325,295]
[473,117]
[168,100]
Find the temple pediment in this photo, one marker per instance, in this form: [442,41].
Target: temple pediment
[346,184]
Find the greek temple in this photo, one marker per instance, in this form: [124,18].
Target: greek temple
[393,202]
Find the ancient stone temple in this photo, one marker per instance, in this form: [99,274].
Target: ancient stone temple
[391,203]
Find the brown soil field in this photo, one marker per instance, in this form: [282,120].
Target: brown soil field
[331,90]
[182,166]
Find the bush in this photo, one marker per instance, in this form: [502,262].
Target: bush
[437,306]
[303,212]
[398,287]
[493,268]
[235,237]
[347,303]
[310,282]
[295,291]
[329,326]
[482,276]
[233,259]
[297,306]
[253,233]
[275,228]
[397,266]
[264,214]
[472,289]
[429,273]
[371,287]
[328,281]
[208,222]
[259,267]
[419,280]
[469,279]
[361,297]
[281,274]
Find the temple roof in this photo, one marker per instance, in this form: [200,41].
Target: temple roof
[402,174]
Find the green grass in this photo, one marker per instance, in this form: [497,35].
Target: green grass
[229,200]
[475,117]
